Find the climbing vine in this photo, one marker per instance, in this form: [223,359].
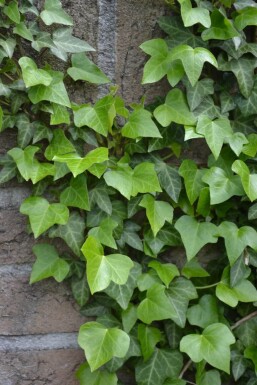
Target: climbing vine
[156,204]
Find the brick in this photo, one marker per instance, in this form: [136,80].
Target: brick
[44,307]
[49,367]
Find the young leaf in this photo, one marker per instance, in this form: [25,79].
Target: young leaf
[221,28]
[53,13]
[104,232]
[204,313]
[247,16]
[101,269]
[84,69]
[12,11]
[166,271]
[212,346]
[48,264]
[195,234]
[249,181]
[148,337]
[64,41]
[33,76]
[102,344]
[99,377]
[192,179]
[43,215]
[191,16]
[157,65]
[140,125]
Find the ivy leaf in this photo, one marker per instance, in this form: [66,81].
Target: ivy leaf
[251,353]
[101,269]
[48,264]
[25,130]
[129,317]
[249,181]
[33,76]
[29,166]
[64,41]
[148,337]
[193,269]
[193,60]
[157,212]
[222,185]
[99,195]
[180,292]
[8,45]
[102,344]
[23,31]
[192,16]
[212,346]
[248,106]
[247,16]
[157,65]
[72,232]
[123,293]
[236,239]
[252,212]
[59,145]
[196,94]
[8,171]
[134,351]
[215,132]
[99,377]
[204,313]
[43,215]
[78,165]
[169,180]
[166,271]
[53,13]
[175,109]
[80,289]
[84,69]
[163,364]
[12,11]
[210,377]
[247,332]
[76,195]
[104,232]
[221,28]
[239,364]
[60,115]
[192,179]
[128,182]
[139,125]
[195,234]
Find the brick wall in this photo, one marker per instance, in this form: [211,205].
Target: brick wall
[39,323]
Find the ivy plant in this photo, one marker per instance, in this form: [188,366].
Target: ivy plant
[155,203]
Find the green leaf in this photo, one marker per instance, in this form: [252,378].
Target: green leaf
[247,16]
[247,332]
[175,109]
[102,344]
[59,145]
[130,236]
[64,41]
[169,180]
[100,377]
[196,94]
[166,271]
[148,337]
[84,69]
[180,292]
[212,346]
[29,166]
[60,115]
[221,28]
[53,13]
[248,106]
[128,182]
[80,289]
[48,264]
[43,215]
[157,212]
[239,271]
[193,269]
[78,165]
[193,60]
[8,45]
[210,377]
[239,364]
[195,234]
[252,212]
[192,179]
[33,76]
[76,195]
[222,185]
[22,30]
[134,351]
[157,65]
[204,313]
[191,16]
[99,195]
[104,232]
[215,132]
[72,232]
[251,353]
[101,269]
[12,11]
[248,180]
[25,130]
[163,364]
[129,317]
[139,125]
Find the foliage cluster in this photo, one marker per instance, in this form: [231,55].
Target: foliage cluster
[162,246]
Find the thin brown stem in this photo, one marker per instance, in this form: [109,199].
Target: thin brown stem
[242,320]
[184,369]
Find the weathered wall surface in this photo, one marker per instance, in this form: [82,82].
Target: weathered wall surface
[39,323]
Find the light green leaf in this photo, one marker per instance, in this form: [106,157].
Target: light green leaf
[129,317]
[252,212]
[148,337]
[251,353]
[204,313]
[249,181]
[101,269]
[213,346]
[43,215]
[210,377]
[104,232]
[247,16]
[76,195]
[193,60]
[157,212]
[157,65]
[163,364]
[192,179]
[8,45]
[195,234]
[59,145]
[84,69]
[12,11]
[192,16]
[53,13]
[64,41]
[166,271]
[23,31]
[78,165]
[175,109]
[193,269]
[33,76]
[139,125]
[100,377]
[60,115]
[221,28]
[48,264]
[175,73]
[102,344]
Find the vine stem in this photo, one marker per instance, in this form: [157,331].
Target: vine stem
[184,369]
[207,287]
[242,320]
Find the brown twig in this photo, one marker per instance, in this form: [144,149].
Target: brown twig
[242,320]
[184,369]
